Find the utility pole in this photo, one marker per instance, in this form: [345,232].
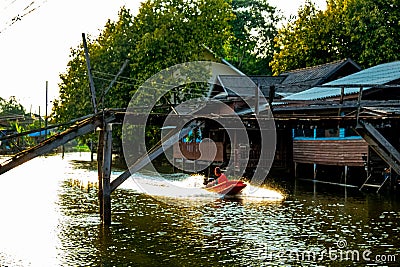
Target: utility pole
[45,117]
[40,125]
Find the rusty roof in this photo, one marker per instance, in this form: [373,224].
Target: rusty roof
[302,79]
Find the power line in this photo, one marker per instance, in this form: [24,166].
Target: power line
[142,86]
[28,8]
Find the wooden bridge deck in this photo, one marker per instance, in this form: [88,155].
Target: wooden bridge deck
[80,128]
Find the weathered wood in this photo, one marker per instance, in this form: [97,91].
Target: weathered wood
[107,157]
[341,96]
[191,151]
[381,140]
[50,144]
[380,145]
[330,152]
[11,136]
[359,104]
[315,171]
[89,69]
[257,100]
[100,146]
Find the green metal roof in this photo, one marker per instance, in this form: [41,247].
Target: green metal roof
[378,75]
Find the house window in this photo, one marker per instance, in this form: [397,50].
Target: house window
[194,136]
[303,133]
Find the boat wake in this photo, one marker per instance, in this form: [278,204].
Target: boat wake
[261,193]
[183,186]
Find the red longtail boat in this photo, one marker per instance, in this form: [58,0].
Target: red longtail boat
[229,188]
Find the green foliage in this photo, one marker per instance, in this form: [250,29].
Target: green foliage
[107,54]
[173,32]
[13,114]
[11,107]
[374,30]
[365,30]
[254,29]
[164,33]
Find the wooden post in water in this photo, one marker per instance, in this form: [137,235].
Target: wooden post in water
[100,145]
[107,157]
[315,171]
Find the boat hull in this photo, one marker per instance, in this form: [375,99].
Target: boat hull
[229,188]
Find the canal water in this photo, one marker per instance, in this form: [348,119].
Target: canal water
[49,217]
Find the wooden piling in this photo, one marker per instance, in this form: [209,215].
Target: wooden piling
[107,157]
[100,145]
[315,171]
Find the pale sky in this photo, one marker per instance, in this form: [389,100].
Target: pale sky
[36,48]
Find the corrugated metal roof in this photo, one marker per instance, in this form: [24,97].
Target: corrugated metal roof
[265,82]
[302,79]
[237,85]
[378,75]
[311,75]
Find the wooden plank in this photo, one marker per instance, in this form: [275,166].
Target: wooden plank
[384,155]
[372,185]
[381,140]
[82,128]
[49,145]
[380,145]
[330,152]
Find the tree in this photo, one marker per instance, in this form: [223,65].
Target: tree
[374,28]
[295,42]
[364,30]
[107,54]
[11,107]
[164,33]
[174,31]
[254,29]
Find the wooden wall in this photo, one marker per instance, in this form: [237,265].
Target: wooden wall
[330,152]
[191,151]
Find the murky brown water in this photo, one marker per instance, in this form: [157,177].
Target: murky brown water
[49,217]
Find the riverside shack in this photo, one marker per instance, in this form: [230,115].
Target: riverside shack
[187,152]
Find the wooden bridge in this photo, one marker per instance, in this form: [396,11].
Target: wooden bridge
[102,122]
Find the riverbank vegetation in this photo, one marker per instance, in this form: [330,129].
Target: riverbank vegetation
[162,34]
[366,31]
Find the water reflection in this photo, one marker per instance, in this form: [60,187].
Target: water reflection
[51,219]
